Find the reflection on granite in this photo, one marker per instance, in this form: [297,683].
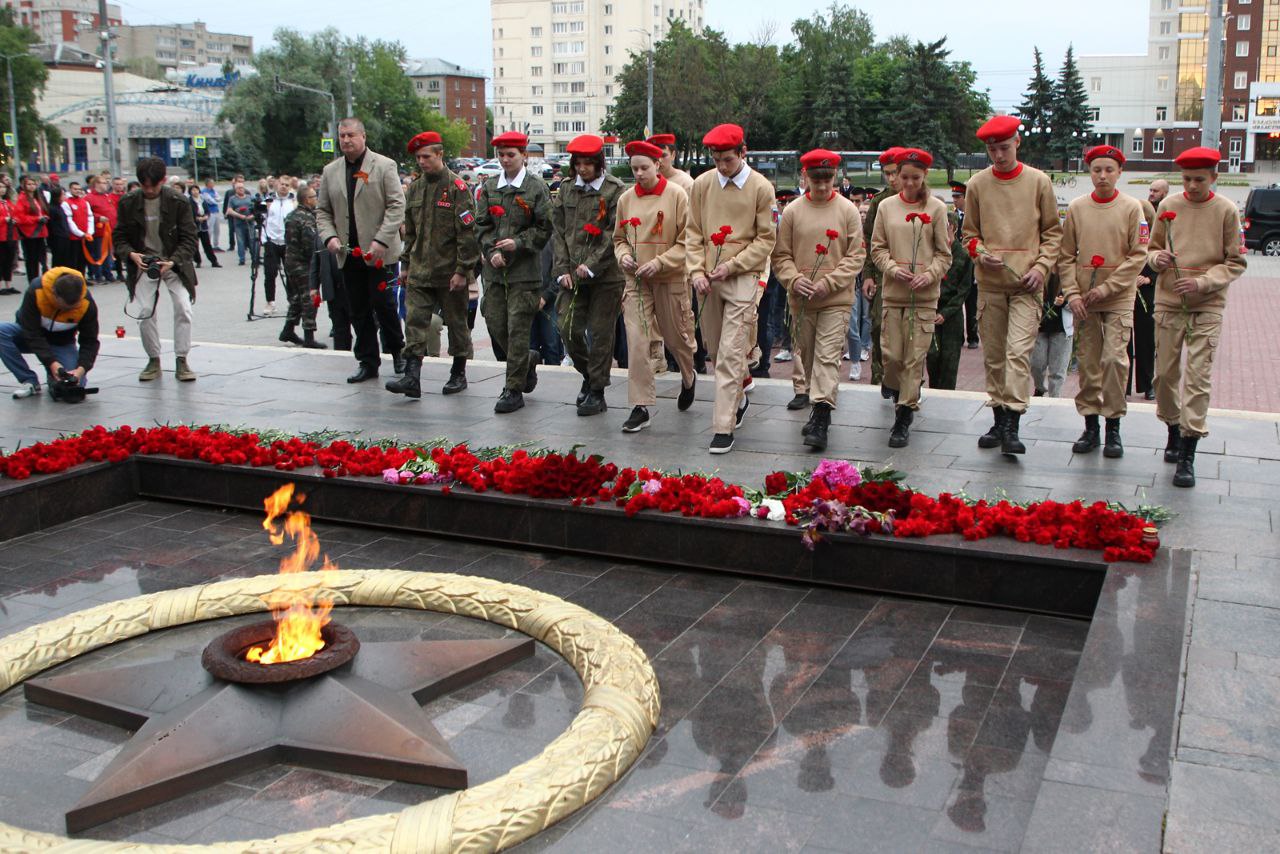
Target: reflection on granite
[792,715]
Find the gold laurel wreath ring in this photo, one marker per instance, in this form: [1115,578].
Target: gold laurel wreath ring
[619,710]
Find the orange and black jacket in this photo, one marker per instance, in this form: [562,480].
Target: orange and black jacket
[44,324]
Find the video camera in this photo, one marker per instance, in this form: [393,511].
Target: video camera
[67,389]
[259,210]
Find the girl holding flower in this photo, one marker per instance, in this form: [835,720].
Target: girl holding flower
[910,244]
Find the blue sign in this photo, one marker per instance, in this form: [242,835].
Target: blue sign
[195,81]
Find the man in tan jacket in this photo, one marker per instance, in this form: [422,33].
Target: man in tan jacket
[728,240]
[361,208]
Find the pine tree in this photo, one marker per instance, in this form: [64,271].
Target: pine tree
[1071,122]
[1036,111]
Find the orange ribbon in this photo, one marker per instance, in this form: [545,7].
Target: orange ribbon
[106,246]
[657,226]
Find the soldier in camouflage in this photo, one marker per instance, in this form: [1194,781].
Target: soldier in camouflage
[513,223]
[943,359]
[440,255]
[299,248]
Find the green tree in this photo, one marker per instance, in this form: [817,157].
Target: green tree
[825,103]
[1071,122]
[1036,111]
[29,78]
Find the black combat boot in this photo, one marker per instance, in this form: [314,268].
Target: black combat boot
[1090,438]
[410,385]
[593,403]
[289,334]
[1171,446]
[457,376]
[582,392]
[1114,448]
[813,418]
[309,340]
[1009,441]
[1186,472]
[816,438]
[900,435]
[991,438]
[397,363]
[509,401]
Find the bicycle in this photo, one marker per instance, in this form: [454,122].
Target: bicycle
[1064,181]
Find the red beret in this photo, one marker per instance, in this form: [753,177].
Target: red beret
[427,137]
[663,139]
[999,128]
[918,156]
[588,144]
[1104,151]
[889,154]
[511,139]
[820,157]
[648,149]
[1198,158]
[723,137]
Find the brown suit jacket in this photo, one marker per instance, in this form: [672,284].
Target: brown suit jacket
[379,203]
[177,233]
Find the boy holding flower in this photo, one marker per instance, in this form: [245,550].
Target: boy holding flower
[1102,255]
[1195,249]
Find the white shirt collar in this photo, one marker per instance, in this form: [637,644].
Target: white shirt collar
[738,180]
[519,179]
[595,185]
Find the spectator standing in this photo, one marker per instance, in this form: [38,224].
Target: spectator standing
[8,240]
[213,210]
[59,233]
[226,199]
[80,222]
[198,210]
[279,206]
[103,204]
[240,219]
[31,214]
[300,250]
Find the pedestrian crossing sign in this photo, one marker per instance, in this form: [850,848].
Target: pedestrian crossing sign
[326,145]
[8,140]
[199,142]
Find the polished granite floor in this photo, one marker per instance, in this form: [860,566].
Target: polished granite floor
[793,718]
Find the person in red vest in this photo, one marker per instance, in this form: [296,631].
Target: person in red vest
[8,240]
[103,203]
[31,217]
[79,226]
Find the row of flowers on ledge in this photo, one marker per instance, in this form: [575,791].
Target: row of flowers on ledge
[836,496]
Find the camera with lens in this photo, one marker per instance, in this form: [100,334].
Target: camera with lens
[151,266]
[67,389]
[259,211]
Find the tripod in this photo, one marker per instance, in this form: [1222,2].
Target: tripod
[255,249]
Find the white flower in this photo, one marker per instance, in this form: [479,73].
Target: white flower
[776,511]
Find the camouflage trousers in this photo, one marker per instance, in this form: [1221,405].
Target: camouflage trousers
[508,315]
[302,308]
[423,302]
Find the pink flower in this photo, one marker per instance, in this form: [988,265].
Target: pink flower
[391,475]
[838,473]
[744,506]
[652,486]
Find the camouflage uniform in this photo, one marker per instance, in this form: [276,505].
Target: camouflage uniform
[870,272]
[593,304]
[299,247]
[512,293]
[943,360]
[439,241]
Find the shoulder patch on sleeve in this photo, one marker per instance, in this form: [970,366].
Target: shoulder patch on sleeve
[460,184]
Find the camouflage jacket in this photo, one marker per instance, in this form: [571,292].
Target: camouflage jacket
[299,243]
[525,218]
[439,230]
[869,270]
[577,207]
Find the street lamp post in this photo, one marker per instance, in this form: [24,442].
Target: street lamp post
[13,122]
[113,150]
[281,85]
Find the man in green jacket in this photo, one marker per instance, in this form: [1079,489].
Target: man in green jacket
[943,359]
[513,223]
[591,282]
[870,275]
[440,255]
[299,250]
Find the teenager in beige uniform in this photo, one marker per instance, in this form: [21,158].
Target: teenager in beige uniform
[1102,225]
[1012,213]
[666,143]
[911,226]
[656,299]
[1195,266]
[821,288]
[727,278]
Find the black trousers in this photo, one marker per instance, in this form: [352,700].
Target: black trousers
[365,301]
[33,253]
[273,259]
[971,315]
[208,253]
[1142,343]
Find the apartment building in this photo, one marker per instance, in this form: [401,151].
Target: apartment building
[455,92]
[181,45]
[57,21]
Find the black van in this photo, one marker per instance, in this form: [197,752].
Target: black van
[1262,220]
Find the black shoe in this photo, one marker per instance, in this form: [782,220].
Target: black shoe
[699,365]
[760,373]
[457,376]
[742,412]
[888,393]
[410,385]
[1090,439]
[309,340]
[900,435]
[816,438]
[241,263]
[972,345]
[1009,441]
[289,336]
[637,421]
[215,265]
[508,401]
[808,425]
[363,373]
[531,378]
[397,363]
[1173,444]
[1149,394]
[721,443]
[685,400]
[800,401]
[1113,448]
[991,438]
[1186,474]
[593,404]
[582,393]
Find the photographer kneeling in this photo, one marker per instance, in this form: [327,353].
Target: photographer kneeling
[51,317]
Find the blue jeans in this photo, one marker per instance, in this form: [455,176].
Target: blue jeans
[241,232]
[545,337]
[13,344]
[859,335]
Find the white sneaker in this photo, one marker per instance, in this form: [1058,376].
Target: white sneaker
[271,310]
[566,362]
[866,353]
[855,373]
[844,357]
[783,356]
[27,390]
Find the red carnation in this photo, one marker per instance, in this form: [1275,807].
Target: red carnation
[718,238]
[832,234]
[820,249]
[316,300]
[497,210]
[592,229]
[1097,261]
[382,286]
[776,483]
[925,218]
[634,222]
[1168,216]
[726,229]
[357,252]
[973,248]
[913,216]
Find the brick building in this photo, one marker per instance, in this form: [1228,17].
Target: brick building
[455,92]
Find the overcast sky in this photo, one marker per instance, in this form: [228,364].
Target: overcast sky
[459,32]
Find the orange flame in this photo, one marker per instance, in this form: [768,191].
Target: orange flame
[299,615]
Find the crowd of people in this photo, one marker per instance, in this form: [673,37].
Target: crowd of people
[672,272]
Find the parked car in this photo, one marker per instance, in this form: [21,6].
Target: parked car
[489,169]
[1262,220]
